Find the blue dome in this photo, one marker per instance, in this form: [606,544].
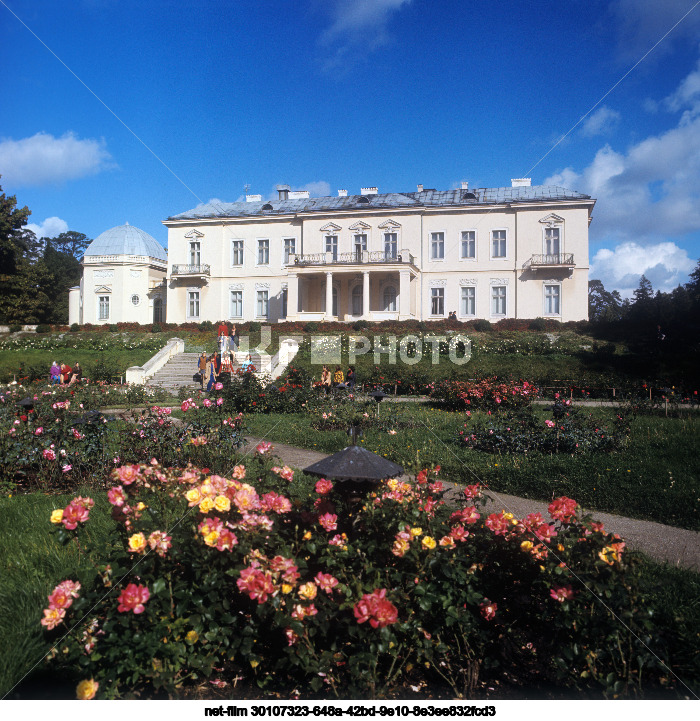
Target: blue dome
[126,240]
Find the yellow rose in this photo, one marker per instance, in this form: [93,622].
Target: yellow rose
[392,483]
[307,536]
[137,543]
[192,637]
[254,663]
[415,532]
[140,506]
[211,539]
[194,496]
[206,505]
[308,591]
[428,542]
[287,588]
[222,504]
[57,515]
[86,689]
[526,545]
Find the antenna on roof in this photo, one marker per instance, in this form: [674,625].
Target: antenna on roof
[246,188]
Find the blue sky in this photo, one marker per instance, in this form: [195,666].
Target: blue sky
[328,94]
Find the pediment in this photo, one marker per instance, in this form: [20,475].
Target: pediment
[194,234]
[102,289]
[360,226]
[330,228]
[389,225]
[552,219]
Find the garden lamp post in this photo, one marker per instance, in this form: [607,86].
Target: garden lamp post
[378,395]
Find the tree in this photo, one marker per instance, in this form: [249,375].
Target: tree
[71,243]
[603,305]
[12,219]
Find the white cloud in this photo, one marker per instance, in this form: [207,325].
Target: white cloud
[686,95]
[50,228]
[601,122]
[317,188]
[664,264]
[357,24]
[43,159]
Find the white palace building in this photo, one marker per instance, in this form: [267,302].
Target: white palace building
[493,253]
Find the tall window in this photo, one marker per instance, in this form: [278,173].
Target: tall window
[289,249]
[357,300]
[469,300]
[332,246]
[193,304]
[263,252]
[236,304]
[389,298]
[437,301]
[498,243]
[498,300]
[103,307]
[390,246]
[552,299]
[262,303]
[552,246]
[236,252]
[195,253]
[157,310]
[468,244]
[437,246]
[334,302]
[360,245]
[284,303]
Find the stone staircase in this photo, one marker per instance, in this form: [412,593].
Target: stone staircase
[180,371]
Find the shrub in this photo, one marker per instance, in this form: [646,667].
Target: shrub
[311,327]
[113,328]
[368,598]
[254,327]
[361,324]
[488,394]
[482,325]
[155,328]
[74,327]
[43,328]
[205,326]
[15,328]
[538,324]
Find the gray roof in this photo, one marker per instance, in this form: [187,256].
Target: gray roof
[425,198]
[126,240]
[355,463]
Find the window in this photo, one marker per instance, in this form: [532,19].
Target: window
[195,253]
[236,304]
[390,246]
[332,246]
[236,252]
[289,248]
[262,303]
[135,300]
[389,298]
[437,301]
[469,244]
[498,243]
[552,246]
[498,300]
[103,307]
[284,303]
[437,246]
[334,302]
[158,310]
[552,300]
[263,252]
[193,304]
[468,300]
[360,245]
[357,300]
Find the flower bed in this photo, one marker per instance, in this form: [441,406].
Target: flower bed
[487,394]
[260,576]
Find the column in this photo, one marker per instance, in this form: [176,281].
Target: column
[292,296]
[329,295]
[404,295]
[365,295]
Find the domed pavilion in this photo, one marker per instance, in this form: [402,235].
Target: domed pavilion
[123,280]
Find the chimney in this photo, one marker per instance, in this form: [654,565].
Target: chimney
[465,185]
[368,191]
[520,182]
[283,191]
[420,188]
[342,193]
[253,198]
[298,194]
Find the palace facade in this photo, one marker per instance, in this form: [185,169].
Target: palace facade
[493,253]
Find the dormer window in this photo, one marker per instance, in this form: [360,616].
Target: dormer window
[363,199]
[267,206]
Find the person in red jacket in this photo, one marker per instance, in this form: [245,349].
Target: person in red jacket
[222,333]
[66,373]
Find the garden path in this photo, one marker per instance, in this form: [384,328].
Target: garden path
[677,546]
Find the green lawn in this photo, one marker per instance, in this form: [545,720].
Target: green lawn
[656,477]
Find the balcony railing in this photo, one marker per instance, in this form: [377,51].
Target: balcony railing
[352,258]
[561,260]
[191,270]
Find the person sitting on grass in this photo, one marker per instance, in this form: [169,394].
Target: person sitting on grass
[76,375]
[55,374]
[66,373]
[247,364]
[338,378]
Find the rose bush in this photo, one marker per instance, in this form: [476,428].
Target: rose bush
[488,394]
[280,580]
